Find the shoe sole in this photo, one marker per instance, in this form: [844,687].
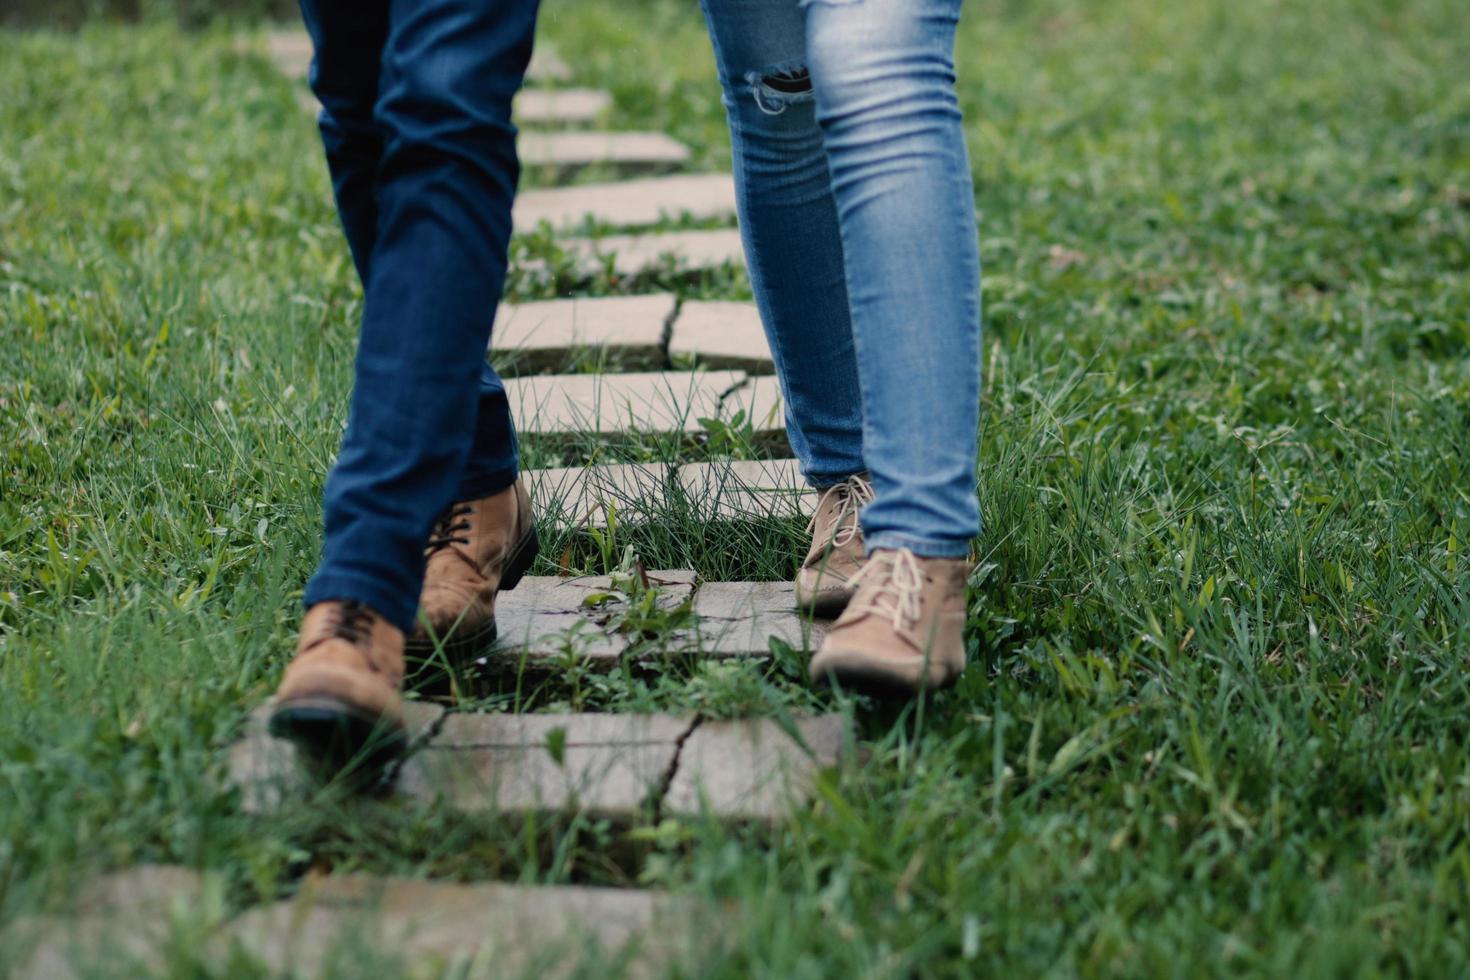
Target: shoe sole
[460,647]
[873,682]
[827,604]
[339,739]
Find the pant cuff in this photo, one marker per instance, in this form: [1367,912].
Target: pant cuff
[381,599]
[923,547]
[485,484]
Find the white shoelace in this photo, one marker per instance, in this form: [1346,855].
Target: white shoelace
[904,588]
[855,493]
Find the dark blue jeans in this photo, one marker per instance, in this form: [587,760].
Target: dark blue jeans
[416,98]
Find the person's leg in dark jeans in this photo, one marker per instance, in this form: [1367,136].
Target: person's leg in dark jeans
[417,128]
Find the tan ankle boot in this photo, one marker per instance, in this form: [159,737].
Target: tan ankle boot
[339,697]
[824,583]
[904,629]
[478,548]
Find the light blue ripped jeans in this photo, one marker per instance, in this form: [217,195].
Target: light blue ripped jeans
[858,214]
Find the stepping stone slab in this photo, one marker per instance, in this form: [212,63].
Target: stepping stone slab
[747,489]
[670,401]
[628,203]
[268,772]
[573,150]
[754,769]
[633,255]
[760,399]
[506,930]
[565,106]
[722,334]
[738,619]
[631,328]
[118,921]
[722,491]
[544,617]
[546,65]
[291,51]
[606,765]
[581,495]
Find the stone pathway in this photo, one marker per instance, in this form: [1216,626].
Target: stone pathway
[629,769]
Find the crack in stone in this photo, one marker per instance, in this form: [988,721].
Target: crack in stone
[667,340]
[667,782]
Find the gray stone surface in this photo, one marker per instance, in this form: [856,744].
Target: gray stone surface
[627,151]
[632,255]
[722,334]
[267,771]
[546,618]
[581,495]
[738,619]
[747,489]
[760,399]
[547,66]
[667,401]
[607,765]
[290,50]
[721,491]
[117,922]
[566,106]
[485,930]
[632,328]
[628,203]
[753,769]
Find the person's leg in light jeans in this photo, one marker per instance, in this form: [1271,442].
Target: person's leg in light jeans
[850,153]
[788,219]
[416,121]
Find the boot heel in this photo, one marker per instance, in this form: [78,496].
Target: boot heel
[520,562]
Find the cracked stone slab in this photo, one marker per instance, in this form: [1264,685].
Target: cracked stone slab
[722,334]
[546,618]
[565,106]
[631,328]
[678,251]
[760,399]
[747,489]
[738,619]
[267,771]
[665,401]
[522,930]
[606,765]
[625,150]
[753,769]
[117,920]
[628,203]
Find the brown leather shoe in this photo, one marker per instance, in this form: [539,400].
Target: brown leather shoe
[477,549]
[824,583]
[339,698]
[903,632]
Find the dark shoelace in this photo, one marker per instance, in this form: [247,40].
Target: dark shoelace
[447,529]
[356,622]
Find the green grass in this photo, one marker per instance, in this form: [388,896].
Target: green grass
[1217,713]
